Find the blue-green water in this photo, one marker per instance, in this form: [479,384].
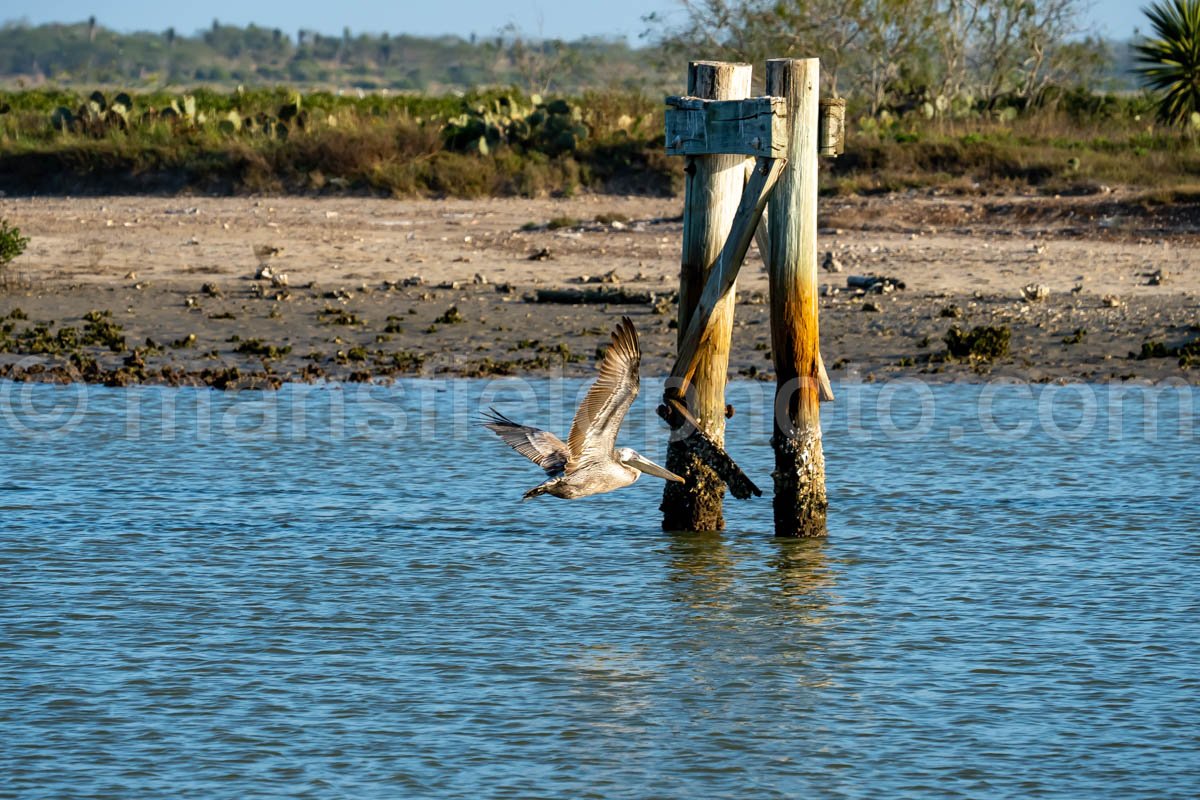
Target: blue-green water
[337,592]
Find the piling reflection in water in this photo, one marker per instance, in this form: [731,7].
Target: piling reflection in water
[806,578]
[705,568]
[701,569]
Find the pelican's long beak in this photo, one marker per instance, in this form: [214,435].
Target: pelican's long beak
[650,468]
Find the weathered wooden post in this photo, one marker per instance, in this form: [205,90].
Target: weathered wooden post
[800,502]
[712,191]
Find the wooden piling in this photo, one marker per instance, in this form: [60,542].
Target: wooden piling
[800,502]
[723,276]
[713,188]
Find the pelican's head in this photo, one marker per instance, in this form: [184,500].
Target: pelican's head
[630,458]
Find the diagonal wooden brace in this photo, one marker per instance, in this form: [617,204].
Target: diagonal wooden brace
[724,274]
[720,281]
[677,416]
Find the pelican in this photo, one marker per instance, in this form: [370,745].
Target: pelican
[589,463]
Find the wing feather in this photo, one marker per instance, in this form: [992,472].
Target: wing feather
[541,447]
[599,416]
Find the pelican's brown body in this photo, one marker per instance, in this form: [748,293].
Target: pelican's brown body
[594,479]
[588,463]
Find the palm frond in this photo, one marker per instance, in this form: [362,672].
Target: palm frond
[1170,60]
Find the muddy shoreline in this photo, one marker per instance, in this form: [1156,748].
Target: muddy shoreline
[239,293]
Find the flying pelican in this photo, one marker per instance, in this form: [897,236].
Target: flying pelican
[588,463]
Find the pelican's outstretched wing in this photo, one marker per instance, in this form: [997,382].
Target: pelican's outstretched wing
[598,418]
[541,447]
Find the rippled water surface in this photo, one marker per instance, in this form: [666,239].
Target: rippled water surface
[328,592]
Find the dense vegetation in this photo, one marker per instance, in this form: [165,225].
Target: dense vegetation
[508,143]
[278,141]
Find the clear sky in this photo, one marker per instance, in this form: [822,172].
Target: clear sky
[563,19]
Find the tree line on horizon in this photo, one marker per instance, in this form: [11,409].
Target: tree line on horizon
[883,51]
[87,53]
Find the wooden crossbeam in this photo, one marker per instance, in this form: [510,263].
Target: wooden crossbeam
[756,126]
[724,274]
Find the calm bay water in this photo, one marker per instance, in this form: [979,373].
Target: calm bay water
[337,592]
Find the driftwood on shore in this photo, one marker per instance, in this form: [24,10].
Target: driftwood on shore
[616,296]
[880,284]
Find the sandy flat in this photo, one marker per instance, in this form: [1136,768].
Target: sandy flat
[147,261]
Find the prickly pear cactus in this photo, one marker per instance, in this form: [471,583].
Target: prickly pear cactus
[553,128]
[95,116]
[99,115]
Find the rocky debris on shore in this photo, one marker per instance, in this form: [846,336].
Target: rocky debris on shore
[831,262]
[1035,292]
[609,277]
[1187,352]
[983,342]
[875,284]
[316,339]
[98,352]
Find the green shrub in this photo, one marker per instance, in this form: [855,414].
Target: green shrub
[12,243]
